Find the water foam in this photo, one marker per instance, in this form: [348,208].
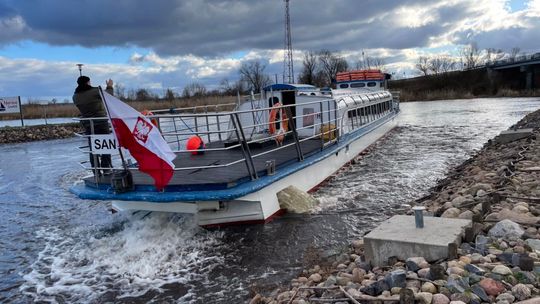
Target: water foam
[128,257]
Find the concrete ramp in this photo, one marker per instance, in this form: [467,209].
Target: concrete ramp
[399,237]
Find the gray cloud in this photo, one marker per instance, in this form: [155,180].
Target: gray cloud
[214,27]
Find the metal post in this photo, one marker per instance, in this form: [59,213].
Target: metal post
[292,126]
[207,124]
[419,216]
[244,146]
[124,164]
[20,111]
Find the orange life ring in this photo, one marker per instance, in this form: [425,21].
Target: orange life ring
[149,113]
[276,108]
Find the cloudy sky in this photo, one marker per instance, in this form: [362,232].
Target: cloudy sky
[171,43]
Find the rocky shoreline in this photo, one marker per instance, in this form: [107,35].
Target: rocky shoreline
[498,261]
[41,132]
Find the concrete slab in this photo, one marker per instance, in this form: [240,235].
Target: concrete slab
[399,237]
[511,135]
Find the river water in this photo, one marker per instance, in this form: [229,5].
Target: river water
[57,248]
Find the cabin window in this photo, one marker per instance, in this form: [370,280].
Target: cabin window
[371,84]
[343,85]
[358,85]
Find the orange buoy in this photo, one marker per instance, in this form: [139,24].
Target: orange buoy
[195,144]
[148,113]
[280,134]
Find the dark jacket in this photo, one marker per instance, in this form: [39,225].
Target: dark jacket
[90,105]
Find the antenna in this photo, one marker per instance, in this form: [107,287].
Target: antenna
[288,70]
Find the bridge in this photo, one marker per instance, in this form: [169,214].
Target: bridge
[521,72]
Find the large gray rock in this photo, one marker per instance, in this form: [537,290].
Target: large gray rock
[451,213]
[296,200]
[534,244]
[506,229]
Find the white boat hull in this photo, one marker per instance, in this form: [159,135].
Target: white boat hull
[262,205]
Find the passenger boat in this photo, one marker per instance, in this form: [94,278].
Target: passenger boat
[292,134]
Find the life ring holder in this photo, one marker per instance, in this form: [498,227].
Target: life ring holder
[276,108]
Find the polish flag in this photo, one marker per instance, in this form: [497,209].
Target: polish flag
[136,133]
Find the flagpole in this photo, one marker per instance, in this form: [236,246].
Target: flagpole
[112,127]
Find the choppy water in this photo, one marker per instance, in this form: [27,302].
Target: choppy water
[57,248]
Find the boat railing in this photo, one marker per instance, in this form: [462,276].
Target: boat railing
[234,130]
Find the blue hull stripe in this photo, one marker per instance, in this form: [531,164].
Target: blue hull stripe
[243,189]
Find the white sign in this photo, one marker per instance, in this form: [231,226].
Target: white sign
[103,144]
[9,105]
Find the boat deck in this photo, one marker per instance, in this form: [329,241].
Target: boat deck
[222,177]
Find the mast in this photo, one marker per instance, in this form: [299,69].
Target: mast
[288,70]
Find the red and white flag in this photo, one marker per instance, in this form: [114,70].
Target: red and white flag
[136,133]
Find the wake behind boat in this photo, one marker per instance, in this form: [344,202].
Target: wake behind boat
[230,165]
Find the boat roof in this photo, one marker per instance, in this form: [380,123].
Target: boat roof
[290,87]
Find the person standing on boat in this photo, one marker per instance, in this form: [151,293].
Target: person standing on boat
[88,101]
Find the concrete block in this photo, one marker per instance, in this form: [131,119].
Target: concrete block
[398,236]
[511,135]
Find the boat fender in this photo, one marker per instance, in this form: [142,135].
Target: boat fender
[276,108]
[196,145]
[148,114]
[122,181]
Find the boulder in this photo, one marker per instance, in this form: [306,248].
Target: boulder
[506,229]
[316,278]
[508,297]
[502,270]
[429,287]
[451,213]
[521,292]
[423,298]
[413,264]
[534,244]
[492,287]
[396,278]
[295,200]
[439,298]
[466,215]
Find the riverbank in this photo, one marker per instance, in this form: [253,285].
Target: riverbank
[36,133]
[499,189]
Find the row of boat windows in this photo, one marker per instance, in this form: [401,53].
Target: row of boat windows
[365,115]
[357,85]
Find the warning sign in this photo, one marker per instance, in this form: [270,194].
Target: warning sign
[9,105]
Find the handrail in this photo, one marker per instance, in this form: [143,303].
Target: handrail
[242,128]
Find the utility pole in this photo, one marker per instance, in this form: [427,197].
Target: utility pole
[80,65]
[288,70]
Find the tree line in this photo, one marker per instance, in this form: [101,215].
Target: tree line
[470,57]
[318,69]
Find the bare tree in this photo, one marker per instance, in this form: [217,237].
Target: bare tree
[423,64]
[375,63]
[231,88]
[514,52]
[471,55]
[253,74]
[194,89]
[169,95]
[119,91]
[447,64]
[309,69]
[435,64]
[492,55]
[142,95]
[332,64]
